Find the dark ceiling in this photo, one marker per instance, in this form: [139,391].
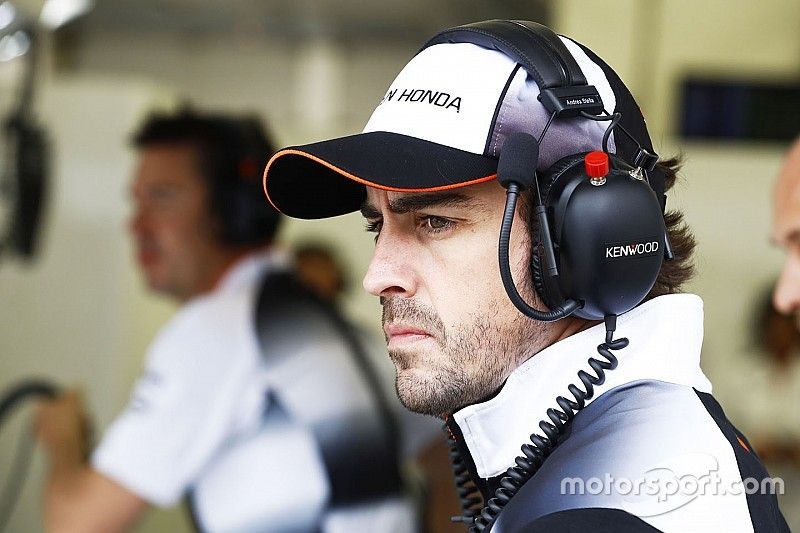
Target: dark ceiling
[342,20]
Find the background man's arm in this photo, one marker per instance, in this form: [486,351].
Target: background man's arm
[77,497]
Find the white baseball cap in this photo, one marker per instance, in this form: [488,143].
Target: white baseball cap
[441,125]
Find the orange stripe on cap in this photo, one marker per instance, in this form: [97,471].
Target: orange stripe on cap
[293,151]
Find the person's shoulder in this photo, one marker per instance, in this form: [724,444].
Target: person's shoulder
[596,520]
[640,412]
[629,447]
[216,310]
[648,425]
[206,325]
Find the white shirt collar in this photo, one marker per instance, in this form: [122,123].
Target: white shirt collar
[251,267]
[665,333]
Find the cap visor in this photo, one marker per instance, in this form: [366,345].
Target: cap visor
[328,178]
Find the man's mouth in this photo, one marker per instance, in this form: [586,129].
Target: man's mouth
[147,255]
[401,334]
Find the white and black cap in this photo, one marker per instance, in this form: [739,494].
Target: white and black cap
[441,125]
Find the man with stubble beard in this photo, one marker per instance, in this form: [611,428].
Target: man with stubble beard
[426,176]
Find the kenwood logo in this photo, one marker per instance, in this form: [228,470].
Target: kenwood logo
[630,250]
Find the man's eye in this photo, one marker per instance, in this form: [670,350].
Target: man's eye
[162,195]
[433,224]
[373,226]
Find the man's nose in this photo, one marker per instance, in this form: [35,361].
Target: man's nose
[390,272]
[786,297]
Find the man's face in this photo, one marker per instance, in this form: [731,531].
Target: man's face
[171,225]
[452,333]
[786,233]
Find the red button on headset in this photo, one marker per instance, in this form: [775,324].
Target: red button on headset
[596,164]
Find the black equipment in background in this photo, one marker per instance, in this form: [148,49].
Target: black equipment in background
[598,227]
[24,390]
[740,110]
[12,398]
[24,184]
[24,173]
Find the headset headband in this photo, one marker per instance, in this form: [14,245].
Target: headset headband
[541,53]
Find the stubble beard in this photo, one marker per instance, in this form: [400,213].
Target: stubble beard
[470,362]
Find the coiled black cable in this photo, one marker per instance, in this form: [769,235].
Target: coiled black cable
[541,446]
[468,493]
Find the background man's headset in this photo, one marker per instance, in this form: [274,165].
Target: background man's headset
[598,224]
[242,148]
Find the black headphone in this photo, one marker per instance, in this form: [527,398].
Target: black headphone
[235,171]
[601,232]
[25,178]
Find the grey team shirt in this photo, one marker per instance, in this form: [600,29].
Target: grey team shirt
[652,449]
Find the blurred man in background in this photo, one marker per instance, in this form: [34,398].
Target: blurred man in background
[258,421]
[786,233]
[779,439]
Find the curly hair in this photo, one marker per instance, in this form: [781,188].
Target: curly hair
[674,274]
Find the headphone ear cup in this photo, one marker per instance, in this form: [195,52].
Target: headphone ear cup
[608,239]
[238,216]
[247,219]
[550,295]
[549,177]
